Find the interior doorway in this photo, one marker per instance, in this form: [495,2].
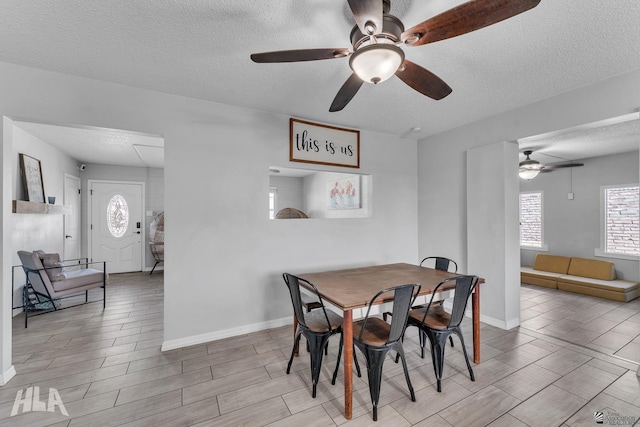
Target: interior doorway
[72,234]
[116,226]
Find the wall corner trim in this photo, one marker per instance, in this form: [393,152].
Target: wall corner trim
[7,375]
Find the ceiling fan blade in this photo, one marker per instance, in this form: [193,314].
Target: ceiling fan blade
[466,18]
[367,13]
[299,55]
[346,93]
[550,168]
[423,81]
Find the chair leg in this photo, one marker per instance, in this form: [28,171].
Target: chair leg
[317,343]
[335,373]
[293,350]
[375,361]
[438,344]
[400,351]
[86,296]
[464,350]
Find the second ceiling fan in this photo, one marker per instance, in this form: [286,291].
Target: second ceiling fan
[377,36]
[530,168]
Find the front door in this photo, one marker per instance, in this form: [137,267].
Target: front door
[116,224]
[72,220]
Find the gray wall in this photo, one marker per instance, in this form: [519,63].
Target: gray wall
[572,227]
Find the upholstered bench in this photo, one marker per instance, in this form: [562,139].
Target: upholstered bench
[580,275]
[597,278]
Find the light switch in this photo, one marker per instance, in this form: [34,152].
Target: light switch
[570,196]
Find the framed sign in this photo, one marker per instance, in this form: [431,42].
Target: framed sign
[32,178]
[323,145]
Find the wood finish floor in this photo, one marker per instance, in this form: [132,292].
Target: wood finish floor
[572,356]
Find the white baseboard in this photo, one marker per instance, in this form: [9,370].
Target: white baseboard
[16,311]
[158,268]
[498,323]
[6,376]
[256,327]
[217,335]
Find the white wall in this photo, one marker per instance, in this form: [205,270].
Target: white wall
[572,227]
[221,249]
[441,158]
[35,231]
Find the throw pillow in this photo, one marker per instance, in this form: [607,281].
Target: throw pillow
[53,267]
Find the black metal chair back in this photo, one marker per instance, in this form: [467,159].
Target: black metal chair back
[403,297]
[463,289]
[442,263]
[293,283]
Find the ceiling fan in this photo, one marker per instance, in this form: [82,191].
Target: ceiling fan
[530,168]
[377,36]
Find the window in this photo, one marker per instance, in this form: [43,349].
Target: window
[620,214]
[531,226]
[117,216]
[273,202]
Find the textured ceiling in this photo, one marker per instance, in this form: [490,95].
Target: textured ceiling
[201,49]
[101,146]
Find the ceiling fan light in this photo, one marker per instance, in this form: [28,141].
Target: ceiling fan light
[375,63]
[528,173]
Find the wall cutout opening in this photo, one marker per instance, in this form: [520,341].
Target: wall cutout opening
[307,193]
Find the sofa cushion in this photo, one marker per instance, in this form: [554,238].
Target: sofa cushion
[78,278]
[552,263]
[530,272]
[592,268]
[609,285]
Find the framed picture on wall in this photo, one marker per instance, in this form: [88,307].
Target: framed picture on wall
[32,178]
[344,193]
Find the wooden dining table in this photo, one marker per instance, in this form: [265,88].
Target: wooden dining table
[351,290]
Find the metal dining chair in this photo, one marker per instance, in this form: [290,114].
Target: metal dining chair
[437,325]
[375,337]
[442,264]
[317,325]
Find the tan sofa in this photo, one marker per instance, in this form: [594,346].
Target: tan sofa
[580,275]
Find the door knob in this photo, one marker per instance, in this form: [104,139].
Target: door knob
[67,236]
[137,232]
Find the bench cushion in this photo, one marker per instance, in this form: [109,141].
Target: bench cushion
[592,268]
[552,263]
[540,278]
